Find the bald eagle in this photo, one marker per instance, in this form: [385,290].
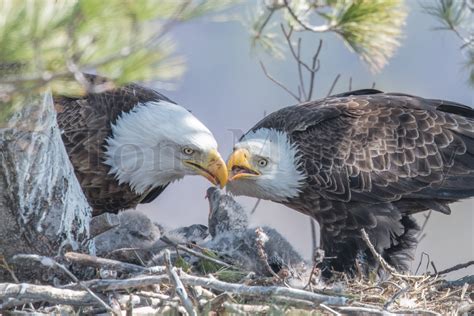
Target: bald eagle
[362,159]
[128,143]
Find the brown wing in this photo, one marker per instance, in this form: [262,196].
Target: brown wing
[371,160]
[382,148]
[86,123]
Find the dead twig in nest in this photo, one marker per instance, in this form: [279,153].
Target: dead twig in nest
[245,309]
[423,254]
[318,257]
[195,253]
[260,240]
[137,282]
[110,264]
[384,264]
[37,293]
[376,255]
[394,297]
[178,285]
[7,267]
[426,294]
[48,262]
[456,267]
[262,291]
[329,309]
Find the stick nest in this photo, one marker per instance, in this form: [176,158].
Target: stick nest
[118,287]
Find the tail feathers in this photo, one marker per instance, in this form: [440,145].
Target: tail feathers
[402,251]
[394,238]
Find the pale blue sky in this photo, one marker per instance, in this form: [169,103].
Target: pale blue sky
[226,89]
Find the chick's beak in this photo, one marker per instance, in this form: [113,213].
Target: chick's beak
[213,168]
[239,165]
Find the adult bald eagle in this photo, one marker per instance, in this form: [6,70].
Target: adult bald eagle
[362,159]
[127,144]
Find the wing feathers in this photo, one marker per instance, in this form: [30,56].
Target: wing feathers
[382,146]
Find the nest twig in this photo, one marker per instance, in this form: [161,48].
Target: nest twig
[168,289]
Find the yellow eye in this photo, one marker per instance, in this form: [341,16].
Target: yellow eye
[263,162]
[188,151]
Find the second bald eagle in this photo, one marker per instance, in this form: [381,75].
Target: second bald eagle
[363,159]
[128,143]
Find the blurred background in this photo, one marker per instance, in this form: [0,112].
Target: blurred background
[227,90]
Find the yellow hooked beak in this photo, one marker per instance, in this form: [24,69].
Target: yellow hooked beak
[239,166]
[213,168]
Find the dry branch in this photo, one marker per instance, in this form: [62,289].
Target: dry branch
[110,264]
[39,293]
[137,282]
[195,253]
[260,240]
[376,255]
[233,308]
[430,294]
[456,267]
[266,292]
[333,85]
[48,262]
[178,285]
[316,29]
[278,83]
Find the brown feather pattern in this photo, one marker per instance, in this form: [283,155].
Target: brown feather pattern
[86,124]
[371,159]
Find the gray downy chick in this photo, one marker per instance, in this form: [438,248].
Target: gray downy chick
[232,237]
[225,214]
[130,240]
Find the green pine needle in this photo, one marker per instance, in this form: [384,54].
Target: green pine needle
[372,28]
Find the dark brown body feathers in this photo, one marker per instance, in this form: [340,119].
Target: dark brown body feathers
[86,123]
[371,160]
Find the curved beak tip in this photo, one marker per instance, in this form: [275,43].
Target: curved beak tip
[217,168]
[239,159]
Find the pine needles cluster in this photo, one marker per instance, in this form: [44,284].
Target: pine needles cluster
[457,16]
[372,29]
[50,42]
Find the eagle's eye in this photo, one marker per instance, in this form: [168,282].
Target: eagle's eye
[188,151]
[263,162]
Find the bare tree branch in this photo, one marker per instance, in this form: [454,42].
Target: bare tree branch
[281,85]
[456,267]
[333,84]
[314,69]
[316,29]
